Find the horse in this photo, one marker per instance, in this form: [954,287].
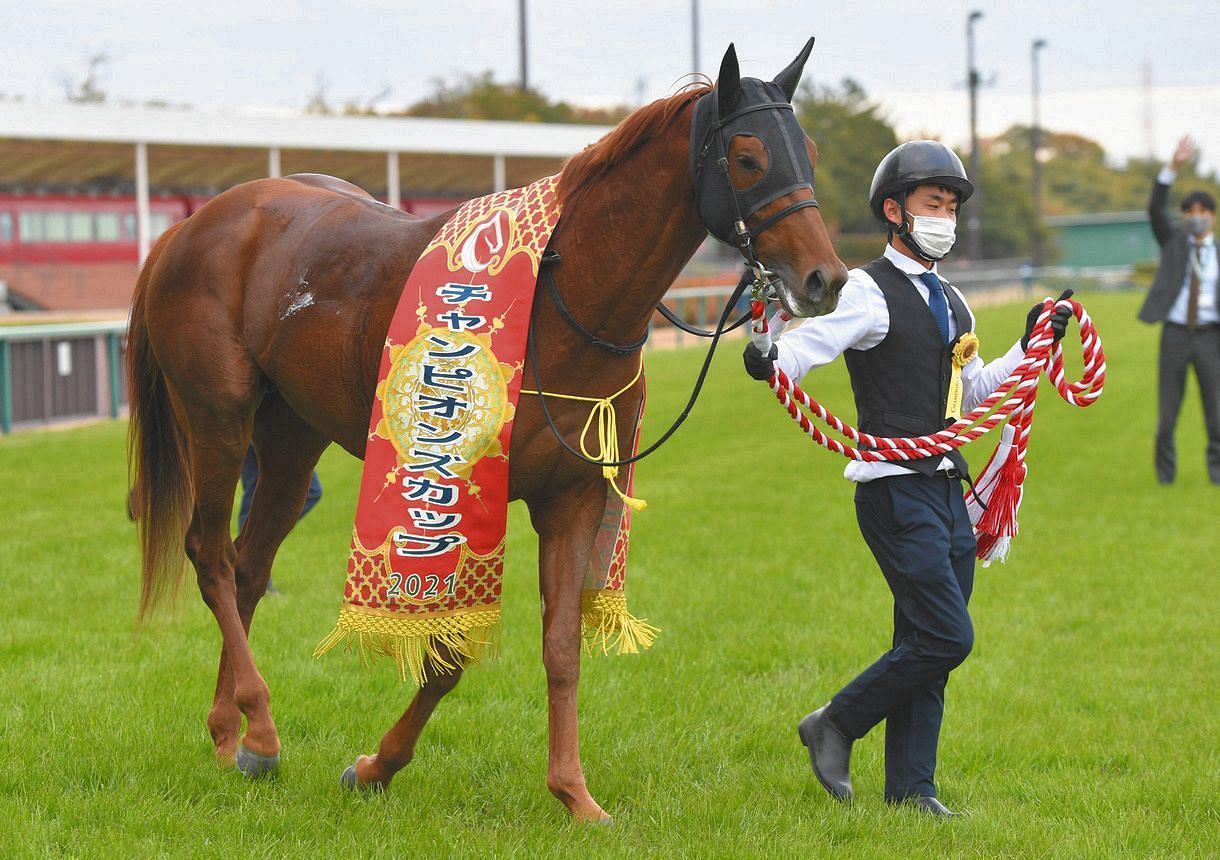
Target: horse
[225,348]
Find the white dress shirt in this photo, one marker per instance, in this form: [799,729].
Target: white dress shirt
[861,321]
[1208,272]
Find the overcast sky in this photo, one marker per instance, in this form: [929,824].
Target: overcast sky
[909,55]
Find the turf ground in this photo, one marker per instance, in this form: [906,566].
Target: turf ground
[1083,725]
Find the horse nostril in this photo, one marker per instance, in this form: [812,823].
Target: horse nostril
[814,284]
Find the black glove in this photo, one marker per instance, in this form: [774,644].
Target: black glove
[1059,320]
[757,365]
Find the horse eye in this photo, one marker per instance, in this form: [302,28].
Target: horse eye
[747,162]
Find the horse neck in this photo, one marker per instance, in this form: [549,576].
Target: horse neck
[625,243]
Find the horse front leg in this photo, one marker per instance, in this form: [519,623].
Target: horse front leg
[397,748]
[567,526]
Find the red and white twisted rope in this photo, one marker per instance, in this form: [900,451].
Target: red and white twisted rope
[993,507]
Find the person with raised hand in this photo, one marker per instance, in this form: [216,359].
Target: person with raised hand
[1183,298]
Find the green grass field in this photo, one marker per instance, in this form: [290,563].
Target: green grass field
[1083,725]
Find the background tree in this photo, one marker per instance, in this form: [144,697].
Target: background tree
[852,137]
[482,97]
[1009,223]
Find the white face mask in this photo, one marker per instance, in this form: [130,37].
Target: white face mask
[1198,225]
[934,235]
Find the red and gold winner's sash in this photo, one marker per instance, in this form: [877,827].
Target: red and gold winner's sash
[427,555]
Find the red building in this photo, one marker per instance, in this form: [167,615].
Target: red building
[79,251]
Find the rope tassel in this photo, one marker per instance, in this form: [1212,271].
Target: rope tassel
[996,499]
[604,415]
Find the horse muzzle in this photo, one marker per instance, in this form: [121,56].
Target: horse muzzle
[818,294]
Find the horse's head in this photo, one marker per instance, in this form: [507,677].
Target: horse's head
[753,172]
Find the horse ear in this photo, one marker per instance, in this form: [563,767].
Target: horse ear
[791,76]
[728,83]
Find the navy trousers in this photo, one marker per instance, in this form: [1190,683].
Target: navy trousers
[249,477]
[919,532]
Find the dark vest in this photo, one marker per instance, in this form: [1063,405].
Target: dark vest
[901,384]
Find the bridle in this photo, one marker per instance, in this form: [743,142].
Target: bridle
[742,237]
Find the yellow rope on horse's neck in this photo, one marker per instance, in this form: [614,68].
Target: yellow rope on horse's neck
[607,432]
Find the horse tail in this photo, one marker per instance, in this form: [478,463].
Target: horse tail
[158,460]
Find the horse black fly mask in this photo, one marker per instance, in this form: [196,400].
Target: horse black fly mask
[761,109]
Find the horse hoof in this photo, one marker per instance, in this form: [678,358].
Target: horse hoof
[350,781]
[256,766]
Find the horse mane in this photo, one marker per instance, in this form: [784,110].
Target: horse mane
[583,170]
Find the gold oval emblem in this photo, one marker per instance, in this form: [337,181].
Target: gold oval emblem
[445,393]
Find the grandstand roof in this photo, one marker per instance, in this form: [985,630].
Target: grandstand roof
[82,145]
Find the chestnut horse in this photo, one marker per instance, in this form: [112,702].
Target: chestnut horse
[263,317]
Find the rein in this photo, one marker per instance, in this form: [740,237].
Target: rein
[548,259]
[680,323]
[612,463]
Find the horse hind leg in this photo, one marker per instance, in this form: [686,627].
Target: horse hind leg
[218,444]
[216,453]
[287,449]
[374,772]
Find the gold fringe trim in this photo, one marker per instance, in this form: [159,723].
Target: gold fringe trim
[425,646]
[607,624]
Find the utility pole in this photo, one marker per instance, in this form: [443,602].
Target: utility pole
[694,35]
[1149,120]
[523,46]
[1035,143]
[975,220]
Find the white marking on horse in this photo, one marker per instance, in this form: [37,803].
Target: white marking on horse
[299,303]
[304,298]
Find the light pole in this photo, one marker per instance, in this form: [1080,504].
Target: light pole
[523,46]
[1035,143]
[975,220]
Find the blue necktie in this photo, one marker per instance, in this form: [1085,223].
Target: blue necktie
[936,301]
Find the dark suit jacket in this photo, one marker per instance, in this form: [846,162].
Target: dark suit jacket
[1175,257]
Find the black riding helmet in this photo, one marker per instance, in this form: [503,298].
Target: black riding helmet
[918,162]
[909,165]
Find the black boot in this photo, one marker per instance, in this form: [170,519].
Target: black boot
[829,753]
[928,806]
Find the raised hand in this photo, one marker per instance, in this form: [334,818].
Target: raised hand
[1186,150]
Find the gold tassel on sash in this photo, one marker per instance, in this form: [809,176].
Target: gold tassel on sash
[441,643]
[607,624]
